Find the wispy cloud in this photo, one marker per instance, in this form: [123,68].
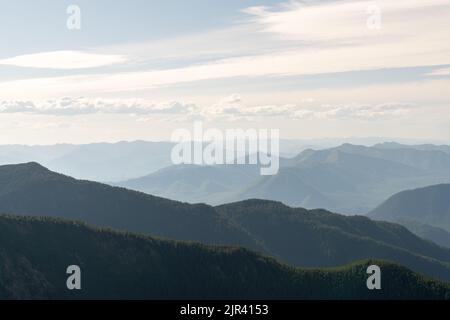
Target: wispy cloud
[316,38]
[345,21]
[64,60]
[292,46]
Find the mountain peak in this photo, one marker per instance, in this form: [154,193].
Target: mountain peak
[389,144]
[428,205]
[25,166]
[258,202]
[34,165]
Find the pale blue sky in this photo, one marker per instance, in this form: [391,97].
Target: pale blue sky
[140,69]
[39,25]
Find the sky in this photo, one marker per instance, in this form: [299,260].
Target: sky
[85,71]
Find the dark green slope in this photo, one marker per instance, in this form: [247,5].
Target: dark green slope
[297,236]
[320,238]
[35,252]
[430,205]
[30,189]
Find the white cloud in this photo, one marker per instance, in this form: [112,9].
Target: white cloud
[317,38]
[82,106]
[230,108]
[345,21]
[233,108]
[355,111]
[299,62]
[64,60]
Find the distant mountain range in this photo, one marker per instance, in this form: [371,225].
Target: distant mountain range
[438,235]
[192,183]
[112,162]
[426,211]
[429,205]
[97,161]
[121,161]
[297,236]
[349,178]
[35,254]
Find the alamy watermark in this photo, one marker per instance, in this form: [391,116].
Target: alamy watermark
[374,20]
[74,17]
[74,280]
[231,146]
[374,280]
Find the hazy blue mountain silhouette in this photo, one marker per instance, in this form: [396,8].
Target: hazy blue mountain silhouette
[429,205]
[193,183]
[97,161]
[438,235]
[348,178]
